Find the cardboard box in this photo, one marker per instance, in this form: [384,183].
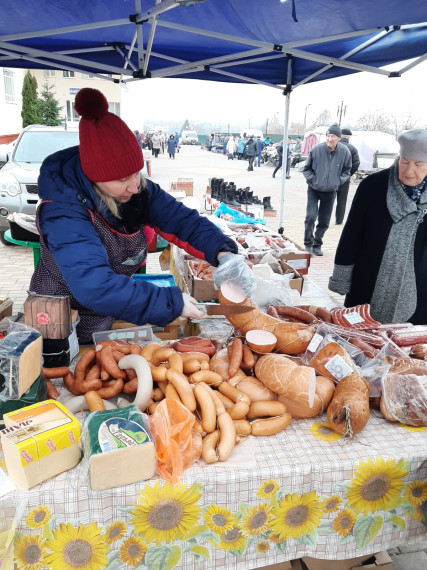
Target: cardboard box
[200,289]
[5,308]
[299,261]
[280,566]
[367,562]
[185,184]
[50,315]
[297,281]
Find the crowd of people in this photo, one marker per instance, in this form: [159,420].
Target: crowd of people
[160,142]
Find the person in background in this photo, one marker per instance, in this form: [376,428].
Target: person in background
[342,192]
[177,141]
[155,143]
[171,146]
[240,148]
[259,147]
[279,149]
[94,206]
[231,148]
[139,138]
[381,257]
[288,157]
[208,142]
[251,149]
[296,152]
[268,141]
[327,167]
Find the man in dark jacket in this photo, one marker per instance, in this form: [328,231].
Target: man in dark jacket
[342,192]
[381,257]
[251,150]
[327,167]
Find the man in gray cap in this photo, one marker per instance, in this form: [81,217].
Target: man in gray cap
[382,253]
[327,167]
[342,192]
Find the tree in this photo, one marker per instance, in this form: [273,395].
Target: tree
[30,106]
[374,121]
[401,122]
[296,129]
[324,119]
[49,106]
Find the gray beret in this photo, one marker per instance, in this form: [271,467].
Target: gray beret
[413,144]
[334,130]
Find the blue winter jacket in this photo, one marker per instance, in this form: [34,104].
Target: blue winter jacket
[66,226]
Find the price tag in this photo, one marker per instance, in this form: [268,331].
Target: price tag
[314,343]
[338,367]
[353,318]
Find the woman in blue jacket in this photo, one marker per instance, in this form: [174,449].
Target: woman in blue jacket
[91,220]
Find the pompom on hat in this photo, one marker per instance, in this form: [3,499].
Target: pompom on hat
[334,130]
[413,145]
[108,149]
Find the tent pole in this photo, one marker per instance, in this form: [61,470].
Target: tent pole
[287,93]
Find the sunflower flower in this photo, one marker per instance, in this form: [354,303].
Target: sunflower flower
[343,523]
[115,531]
[166,513]
[231,540]
[219,519]
[29,552]
[267,489]
[262,546]
[416,493]
[38,517]
[375,485]
[83,547]
[296,515]
[256,520]
[331,504]
[324,432]
[132,551]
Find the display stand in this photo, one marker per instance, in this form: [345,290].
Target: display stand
[35,245]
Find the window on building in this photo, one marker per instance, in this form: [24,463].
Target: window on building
[49,73]
[114,108]
[9,86]
[87,76]
[68,74]
[71,112]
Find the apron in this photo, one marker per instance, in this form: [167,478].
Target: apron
[126,254]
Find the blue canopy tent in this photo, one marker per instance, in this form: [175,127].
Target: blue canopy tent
[270,42]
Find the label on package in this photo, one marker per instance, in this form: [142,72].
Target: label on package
[338,367]
[353,318]
[116,433]
[314,343]
[297,263]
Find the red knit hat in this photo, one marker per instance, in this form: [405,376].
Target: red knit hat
[108,148]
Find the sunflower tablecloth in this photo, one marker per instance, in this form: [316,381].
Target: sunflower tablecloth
[304,492]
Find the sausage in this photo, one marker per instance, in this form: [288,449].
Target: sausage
[194,365]
[233,393]
[131,387]
[207,376]
[266,408]
[109,363]
[209,444]
[200,356]
[270,426]
[94,372]
[152,408]
[161,355]
[149,349]
[52,392]
[81,384]
[58,372]
[210,349]
[248,357]
[135,349]
[158,372]
[94,401]
[228,404]
[158,395]
[219,406]
[295,313]
[272,311]
[196,340]
[111,388]
[171,393]
[419,351]
[243,427]
[182,386]
[207,409]
[239,410]
[323,315]
[235,356]
[162,385]
[410,337]
[70,384]
[175,362]
[227,436]
[367,349]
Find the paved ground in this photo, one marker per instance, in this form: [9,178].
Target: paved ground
[200,165]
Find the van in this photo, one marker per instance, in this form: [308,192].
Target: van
[189,137]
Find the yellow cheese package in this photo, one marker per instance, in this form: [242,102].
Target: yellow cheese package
[118,448]
[39,442]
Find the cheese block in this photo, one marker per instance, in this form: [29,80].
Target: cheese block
[119,448]
[39,442]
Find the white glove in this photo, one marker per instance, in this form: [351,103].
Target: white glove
[233,269]
[189,310]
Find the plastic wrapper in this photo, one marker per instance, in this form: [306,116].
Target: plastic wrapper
[404,398]
[233,269]
[275,292]
[19,336]
[178,445]
[235,216]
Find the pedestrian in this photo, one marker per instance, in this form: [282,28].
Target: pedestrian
[259,147]
[94,206]
[279,149]
[231,148]
[177,141]
[208,142]
[296,152]
[288,157]
[268,141]
[251,149]
[156,142]
[171,146]
[139,138]
[327,167]
[381,257]
[240,148]
[342,192]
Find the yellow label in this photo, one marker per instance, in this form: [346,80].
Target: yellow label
[41,430]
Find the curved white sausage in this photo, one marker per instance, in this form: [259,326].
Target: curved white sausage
[145,381]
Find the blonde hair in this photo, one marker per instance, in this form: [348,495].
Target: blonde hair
[109,203]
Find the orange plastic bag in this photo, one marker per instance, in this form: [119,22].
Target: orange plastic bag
[178,445]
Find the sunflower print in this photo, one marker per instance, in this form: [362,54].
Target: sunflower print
[231,540]
[132,551]
[343,523]
[38,517]
[419,514]
[83,547]
[262,546]
[296,515]
[332,504]
[375,485]
[275,538]
[166,513]
[219,519]
[416,493]
[412,428]
[324,432]
[115,531]
[29,552]
[256,520]
[268,489]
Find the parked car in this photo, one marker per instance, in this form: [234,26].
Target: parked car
[189,137]
[18,176]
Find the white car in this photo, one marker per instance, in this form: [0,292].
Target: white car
[19,175]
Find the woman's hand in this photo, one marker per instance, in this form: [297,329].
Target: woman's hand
[190,310]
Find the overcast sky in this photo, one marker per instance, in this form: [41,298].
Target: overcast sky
[180,99]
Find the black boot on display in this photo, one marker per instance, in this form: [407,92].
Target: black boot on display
[231,201]
[266,203]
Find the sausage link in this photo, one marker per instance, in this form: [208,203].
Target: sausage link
[52,373]
[235,356]
[266,408]
[227,436]
[52,392]
[70,384]
[113,389]
[209,443]
[295,313]
[270,426]
[182,386]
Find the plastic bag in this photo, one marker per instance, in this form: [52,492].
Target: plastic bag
[272,293]
[236,216]
[233,269]
[178,445]
[404,398]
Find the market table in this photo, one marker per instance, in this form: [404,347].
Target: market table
[304,492]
